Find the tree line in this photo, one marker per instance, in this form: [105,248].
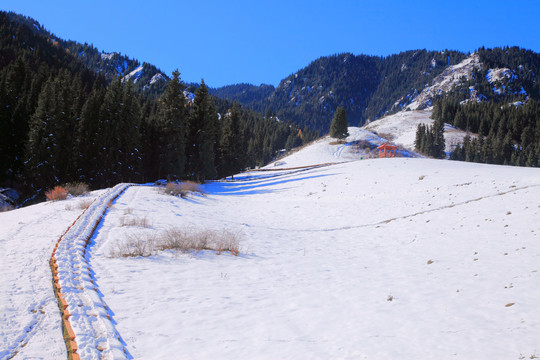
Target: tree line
[61,122]
[506,134]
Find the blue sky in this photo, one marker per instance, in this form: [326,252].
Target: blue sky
[227,42]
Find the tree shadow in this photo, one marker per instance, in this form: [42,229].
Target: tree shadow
[253,187]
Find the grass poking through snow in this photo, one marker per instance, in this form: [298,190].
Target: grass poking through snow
[176,239]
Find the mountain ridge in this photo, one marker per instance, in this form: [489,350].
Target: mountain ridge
[369,87]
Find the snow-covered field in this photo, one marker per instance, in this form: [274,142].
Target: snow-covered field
[381,258]
[328,150]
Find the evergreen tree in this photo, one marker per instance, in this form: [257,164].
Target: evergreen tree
[89,134]
[437,149]
[231,143]
[172,124]
[39,148]
[129,134]
[339,125]
[420,137]
[202,136]
[119,120]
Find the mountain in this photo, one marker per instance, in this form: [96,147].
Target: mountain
[246,94]
[145,76]
[370,87]
[367,86]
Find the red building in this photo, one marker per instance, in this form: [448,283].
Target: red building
[387,150]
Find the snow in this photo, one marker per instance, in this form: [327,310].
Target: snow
[107,56]
[403,258]
[498,74]
[328,150]
[157,77]
[444,82]
[135,74]
[29,315]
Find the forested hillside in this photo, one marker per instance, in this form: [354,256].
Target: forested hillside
[144,76]
[246,94]
[367,86]
[504,115]
[60,121]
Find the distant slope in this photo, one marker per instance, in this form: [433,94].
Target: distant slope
[367,86]
[400,129]
[370,87]
[112,65]
[246,94]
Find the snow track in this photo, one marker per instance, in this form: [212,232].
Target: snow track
[87,320]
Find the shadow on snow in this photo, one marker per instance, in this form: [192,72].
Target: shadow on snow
[252,188]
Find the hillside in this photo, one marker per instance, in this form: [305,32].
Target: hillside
[370,87]
[432,259]
[146,77]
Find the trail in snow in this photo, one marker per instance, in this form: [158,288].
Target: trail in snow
[27,304]
[90,318]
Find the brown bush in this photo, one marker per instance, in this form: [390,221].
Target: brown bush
[135,221]
[83,204]
[134,245]
[186,240]
[4,207]
[183,189]
[58,193]
[77,189]
[172,189]
[176,239]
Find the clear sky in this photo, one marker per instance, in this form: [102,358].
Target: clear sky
[258,41]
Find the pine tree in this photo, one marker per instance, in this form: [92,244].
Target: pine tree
[39,148]
[420,137]
[202,135]
[338,127]
[438,147]
[89,136]
[128,129]
[171,123]
[231,143]
[119,120]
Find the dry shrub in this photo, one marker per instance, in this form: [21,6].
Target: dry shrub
[387,136]
[77,189]
[134,245]
[4,207]
[135,221]
[183,189]
[186,240]
[83,204]
[182,240]
[58,193]
[172,189]
[191,187]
